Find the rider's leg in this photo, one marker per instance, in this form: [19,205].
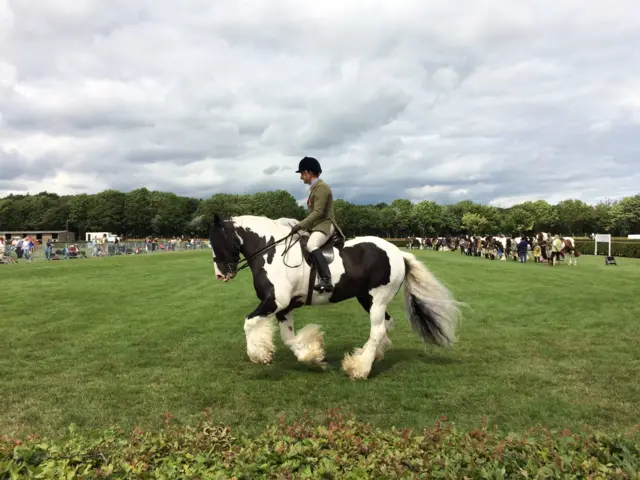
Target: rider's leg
[317,240]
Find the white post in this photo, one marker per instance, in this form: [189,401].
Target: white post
[603,237]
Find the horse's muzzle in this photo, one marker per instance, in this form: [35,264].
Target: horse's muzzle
[226,278]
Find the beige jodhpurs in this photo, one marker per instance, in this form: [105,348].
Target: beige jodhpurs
[318,239]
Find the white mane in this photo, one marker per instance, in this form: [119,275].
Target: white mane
[289,222]
[266,226]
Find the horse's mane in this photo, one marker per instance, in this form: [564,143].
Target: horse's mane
[289,222]
[265,225]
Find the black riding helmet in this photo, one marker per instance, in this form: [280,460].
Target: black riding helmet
[310,164]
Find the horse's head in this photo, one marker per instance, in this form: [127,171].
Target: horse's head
[225,246]
[568,243]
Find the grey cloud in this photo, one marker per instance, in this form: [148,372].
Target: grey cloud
[14,166]
[32,117]
[145,155]
[12,185]
[491,103]
[337,124]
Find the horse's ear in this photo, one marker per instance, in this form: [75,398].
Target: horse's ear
[216,219]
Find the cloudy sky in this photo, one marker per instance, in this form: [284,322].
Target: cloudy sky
[490,100]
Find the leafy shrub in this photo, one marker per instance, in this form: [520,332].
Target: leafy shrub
[337,448]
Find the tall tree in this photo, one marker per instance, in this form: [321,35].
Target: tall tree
[138,213]
[428,217]
[626,215]
[573,216]
[475,223]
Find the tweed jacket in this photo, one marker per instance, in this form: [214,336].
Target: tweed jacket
[320,205]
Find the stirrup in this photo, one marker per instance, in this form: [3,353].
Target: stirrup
[323,286]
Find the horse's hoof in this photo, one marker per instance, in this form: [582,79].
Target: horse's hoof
[267,360]
[351,364]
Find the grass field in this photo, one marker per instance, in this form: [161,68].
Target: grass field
[123,340]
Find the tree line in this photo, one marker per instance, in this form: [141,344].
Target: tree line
[141,212]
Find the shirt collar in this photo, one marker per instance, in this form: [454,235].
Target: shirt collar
[313,183]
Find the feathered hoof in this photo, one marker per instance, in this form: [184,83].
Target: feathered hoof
[263,356]
[310,345]
[354,367]
[264,359]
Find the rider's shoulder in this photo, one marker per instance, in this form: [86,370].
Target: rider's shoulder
[323,185]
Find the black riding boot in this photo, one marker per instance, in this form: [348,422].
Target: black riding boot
[323,271]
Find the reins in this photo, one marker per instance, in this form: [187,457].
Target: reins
[262,251]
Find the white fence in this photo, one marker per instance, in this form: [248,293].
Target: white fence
[64,251]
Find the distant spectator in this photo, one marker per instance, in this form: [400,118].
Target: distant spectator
[18,245]
[556,248]
[26,249]
[47,250]
[537,253]
[522,250]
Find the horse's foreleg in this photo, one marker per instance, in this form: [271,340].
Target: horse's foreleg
[259,329]
[358,365]
[307,345]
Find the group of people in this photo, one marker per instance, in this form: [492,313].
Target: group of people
[521,248]
[24,247]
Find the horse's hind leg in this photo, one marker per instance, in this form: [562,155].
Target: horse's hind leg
[365,301]
[358,364]
[307,345]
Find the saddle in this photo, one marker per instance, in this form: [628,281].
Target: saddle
[336,240]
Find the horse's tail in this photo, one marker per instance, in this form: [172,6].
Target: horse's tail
[429,305]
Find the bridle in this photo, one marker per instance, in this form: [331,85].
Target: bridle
[236,264]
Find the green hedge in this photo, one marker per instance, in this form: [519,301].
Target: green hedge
[618,249]
[338,448]
[397,243]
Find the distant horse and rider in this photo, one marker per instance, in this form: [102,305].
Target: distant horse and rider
[285,257]
[556,246]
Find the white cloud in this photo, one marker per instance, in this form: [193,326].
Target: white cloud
[494,101]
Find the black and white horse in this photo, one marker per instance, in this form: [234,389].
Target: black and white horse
[369,269]
[415,242]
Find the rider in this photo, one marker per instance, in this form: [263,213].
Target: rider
[321,221]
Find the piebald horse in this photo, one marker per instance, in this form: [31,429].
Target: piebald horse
[415,242]
[544,240]
[369,269]
[570,250]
